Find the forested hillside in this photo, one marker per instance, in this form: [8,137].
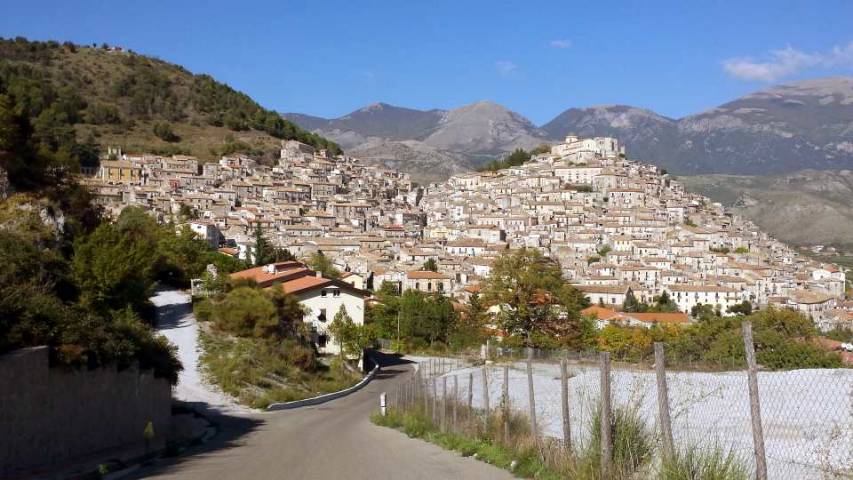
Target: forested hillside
[103,96]
[71,279]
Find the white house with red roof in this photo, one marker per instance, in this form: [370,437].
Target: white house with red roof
[321,298]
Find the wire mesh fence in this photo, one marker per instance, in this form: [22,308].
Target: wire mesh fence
[802,420]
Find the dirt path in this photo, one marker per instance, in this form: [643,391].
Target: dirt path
[177,323]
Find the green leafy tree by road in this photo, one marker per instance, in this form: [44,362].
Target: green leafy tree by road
[353,338]
[533,297]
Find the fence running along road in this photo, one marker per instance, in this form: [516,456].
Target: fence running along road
[795,424]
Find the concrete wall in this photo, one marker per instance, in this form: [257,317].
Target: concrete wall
[49,416]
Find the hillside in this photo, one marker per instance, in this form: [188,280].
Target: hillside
[802,208]
[111,96]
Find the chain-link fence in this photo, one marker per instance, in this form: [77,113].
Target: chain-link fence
[663,419]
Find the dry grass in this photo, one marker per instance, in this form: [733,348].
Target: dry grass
[257,373]
[505,438]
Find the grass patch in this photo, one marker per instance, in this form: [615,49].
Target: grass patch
[258,372]
[509,443]
[417,425]
[633,446]
[701,464]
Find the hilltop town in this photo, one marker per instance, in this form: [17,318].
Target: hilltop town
[618,227]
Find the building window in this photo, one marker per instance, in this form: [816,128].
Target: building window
[323,293]
[322,316]
[321,340]
[336,293]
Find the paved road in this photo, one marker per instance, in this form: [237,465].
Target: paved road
[335,440]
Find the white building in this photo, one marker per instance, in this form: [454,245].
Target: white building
[321,298]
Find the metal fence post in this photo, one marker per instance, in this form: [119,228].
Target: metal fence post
[532,402]
[505,401]
[564,401]
[606,416]
[754,403]
[434,400]
[486,407]
[444,403]
[455,400]
[470,392]
[663,402]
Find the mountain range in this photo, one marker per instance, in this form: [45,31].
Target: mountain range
[790,127]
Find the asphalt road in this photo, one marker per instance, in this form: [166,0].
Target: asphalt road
[335,440]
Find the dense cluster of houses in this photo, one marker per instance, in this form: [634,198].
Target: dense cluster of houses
[615,225]
[619,226]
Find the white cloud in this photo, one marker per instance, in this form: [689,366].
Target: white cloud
[560,43]
[788,61]
[505,67]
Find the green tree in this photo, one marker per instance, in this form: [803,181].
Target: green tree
[631,303]
[320,263]
[113,267]
[163,131]
[247,312]
[290,314]
[352,338]
[742,308]
[533,297]
[187,212]
[664,303]
[430,265]
[470,328]
[264,252]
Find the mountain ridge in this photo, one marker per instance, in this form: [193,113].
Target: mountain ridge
[781,129]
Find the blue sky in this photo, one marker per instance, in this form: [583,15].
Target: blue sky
[328,58]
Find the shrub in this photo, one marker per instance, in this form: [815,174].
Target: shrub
[246,312]
[164,132]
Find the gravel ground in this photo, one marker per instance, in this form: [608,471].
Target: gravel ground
[177,323]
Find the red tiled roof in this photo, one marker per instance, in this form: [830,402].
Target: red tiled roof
[598,312]
[302,284]
[660,317]
[283,271]
[602,313]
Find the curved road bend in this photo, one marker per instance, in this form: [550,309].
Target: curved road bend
[328,441]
